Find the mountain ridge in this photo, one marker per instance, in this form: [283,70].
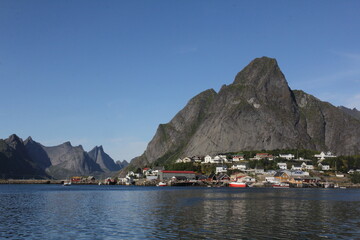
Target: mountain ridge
[30,158]
[257,111]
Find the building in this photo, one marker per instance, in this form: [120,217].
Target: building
[222,169]
[296,167]
[240,166]
[207,159]
[167,175]
[186,160]
[259,156]
[324,167]
[305,166]
[238,157]
[323,155]
[282,166]
[287,156]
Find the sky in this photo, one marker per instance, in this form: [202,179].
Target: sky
[108,72]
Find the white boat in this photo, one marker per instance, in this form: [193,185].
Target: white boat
[281,185]
[161,184]
[68,183]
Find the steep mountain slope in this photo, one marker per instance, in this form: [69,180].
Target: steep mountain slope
[171,138]
[352,112]
[257,111]
[15,162]
[105,162]
[329,127]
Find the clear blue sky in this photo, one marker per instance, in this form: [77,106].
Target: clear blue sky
[108,72]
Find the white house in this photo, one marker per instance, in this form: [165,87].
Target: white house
[240,166]
[237,158]
[324,167]
[282,166]
[296,168]
[186,160]
[207,159]
[179,160]
[307,166]
[222,169]
[287,156]
[323,155]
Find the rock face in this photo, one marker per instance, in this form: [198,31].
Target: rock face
[257,111]
[15,161]
[30,159]
[105,162]
[352,112]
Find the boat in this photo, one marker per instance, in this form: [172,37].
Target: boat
[161,184]
[281,185]
[68,183]
[238,184]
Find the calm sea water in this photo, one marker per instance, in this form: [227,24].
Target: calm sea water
[121,212]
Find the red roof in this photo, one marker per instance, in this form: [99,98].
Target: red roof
[164,171]
[146,168]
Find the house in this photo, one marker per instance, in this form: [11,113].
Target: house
[240,166]
[271,180]
[186,160]
[299,173]
[222,177]
[324,167]
[323,155]
[305,166]
[282,166]
[207,159]
[154,171]
[259,171]
[238,157]
[146,171]
[247,179]
[166,175]
[219,159]
[271,172]
[222,169]
[287,156]
[179,160]
[296,167]
[196,159]
[259,156]
[282,176]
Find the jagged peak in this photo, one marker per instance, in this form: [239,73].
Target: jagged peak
[13,138]
[259,71]
[29,140]
[67,143]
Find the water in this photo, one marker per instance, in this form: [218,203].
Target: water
[122,212]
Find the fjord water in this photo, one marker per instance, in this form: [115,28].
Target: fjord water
[121,212]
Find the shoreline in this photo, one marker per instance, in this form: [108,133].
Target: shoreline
[59,182]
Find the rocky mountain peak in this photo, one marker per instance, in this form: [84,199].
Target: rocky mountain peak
[14,141]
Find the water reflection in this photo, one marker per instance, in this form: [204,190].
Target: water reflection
[113,212]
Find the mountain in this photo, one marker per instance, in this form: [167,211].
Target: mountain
[105,162]
[30,159]
[257,111]
[352,112]
[15,161]
[122,164]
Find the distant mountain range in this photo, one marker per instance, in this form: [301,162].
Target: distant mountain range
[258,111]
[30,159]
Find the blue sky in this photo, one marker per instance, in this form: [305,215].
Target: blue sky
[108,72]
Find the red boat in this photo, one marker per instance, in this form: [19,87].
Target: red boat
[161,184]
[237,184]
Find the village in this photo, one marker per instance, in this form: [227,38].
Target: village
[259,170]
